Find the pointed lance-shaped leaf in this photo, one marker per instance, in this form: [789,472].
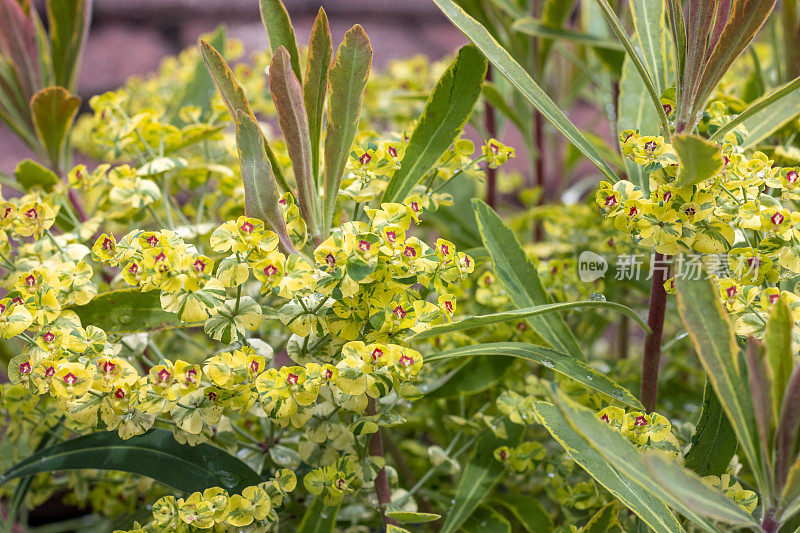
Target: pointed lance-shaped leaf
[787,429]
[518,77]
[235,100]
[315,87]
[447,110]
[348,79]
[701,18]
[260,189]
[760,392]
[779,358]
[745,20]
[53,110]
[18,44]
[287,95]
[714,441]
[712,334]
[280,31]
[69,28]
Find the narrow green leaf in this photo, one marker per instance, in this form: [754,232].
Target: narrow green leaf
[618,482]
[280,32]
[527,510]
[535,28]
[316,85]
[648,20]
[512,70]
[692,501]
[521,279]
[155,454]
[127,311]
[766,114]
[31,174]
[232,93]
[786,441]
[647,77]
[479,476]
[562,363]
[69,25]
[554,14]
[760,393]
[287,95]
[714,441]
[348,79]
[516,314]
[698,159]
[710,330]
[319,518]
[18,45]
[260,189]
[445,113]
[408,517]
[53,110]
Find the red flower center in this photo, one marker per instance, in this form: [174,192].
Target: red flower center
[32,214]
[270,270]
[49,371]
[791,176]
[152,240]
[292,379]
[605,419]
[449,306]
[494,148]
[48,337]
[376,354]
[640,421]
[30,281]
[164,375]
[392,151]
[247,227]
[108,244]
[364,246]
[119,393]
[410,252]
[254,366]
[330,260]
[199,265]
[25,368]
[406,360]
[191,376]
[109,367]
[777,219]
[399,312]
[611,200]
[731,292]
[133,269]
[70,379]
[364,159]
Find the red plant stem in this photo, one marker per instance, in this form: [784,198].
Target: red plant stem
[652,343]
[491,130]
[382,489]
[76,204]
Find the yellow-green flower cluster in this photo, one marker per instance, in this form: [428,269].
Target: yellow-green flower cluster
[216,507]
[652,431]
[727,485]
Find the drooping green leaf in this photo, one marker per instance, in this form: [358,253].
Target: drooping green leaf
[521,279]
[155,454]
[486,520]
[260,189]
[694,502]
[280,32]
[31,174]
[527,510]
[53,110]
[348,79]
[445,113]
[649,508]
[605,520]
[698,159]
[318,518]
[512,70]
[710,330]
[562,363]
[714,441]
[127,311]
[536,28]
[287,95]
[409,517]
[316,85]
[69,25]
[516,314]
[479,476]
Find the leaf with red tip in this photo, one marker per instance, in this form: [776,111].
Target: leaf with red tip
[315,87]
[287,95]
